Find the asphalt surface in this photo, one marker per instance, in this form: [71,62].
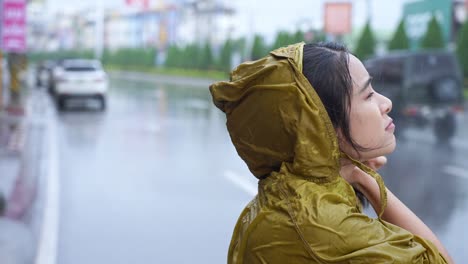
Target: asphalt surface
[155,179]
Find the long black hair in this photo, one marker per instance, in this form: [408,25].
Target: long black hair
[326,67]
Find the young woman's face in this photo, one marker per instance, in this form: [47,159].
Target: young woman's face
[370,125]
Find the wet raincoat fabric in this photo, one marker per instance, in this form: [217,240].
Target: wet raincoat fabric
[305,212]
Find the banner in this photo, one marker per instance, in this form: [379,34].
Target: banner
[14,26]
[338,18]
[417,15]
[140,3]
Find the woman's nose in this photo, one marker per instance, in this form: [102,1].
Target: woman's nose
[386,105]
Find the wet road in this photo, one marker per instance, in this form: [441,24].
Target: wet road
[155,179]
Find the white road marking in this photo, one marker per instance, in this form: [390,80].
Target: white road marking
[241,182]
[153,128]
[456,171]
[48,237]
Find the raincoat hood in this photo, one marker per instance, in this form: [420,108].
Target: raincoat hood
[276,119]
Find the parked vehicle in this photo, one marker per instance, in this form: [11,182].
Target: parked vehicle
[80,78]
[426,88]
[44,73]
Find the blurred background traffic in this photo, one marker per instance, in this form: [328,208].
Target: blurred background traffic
[112,152]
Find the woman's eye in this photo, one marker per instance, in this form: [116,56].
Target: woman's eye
[370,95]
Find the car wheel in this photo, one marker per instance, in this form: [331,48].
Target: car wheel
[444,128]
[102,101]
[51,89]
[61,103]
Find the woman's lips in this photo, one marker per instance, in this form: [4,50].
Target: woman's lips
[390,126]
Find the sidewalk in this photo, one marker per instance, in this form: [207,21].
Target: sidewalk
[21,146]
[12,140]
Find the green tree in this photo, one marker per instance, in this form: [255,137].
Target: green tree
[298,36]
[400,39]
[319,36]
[462,48]
[259,48]
[433,39]
[106,56]
[283,38]
[193,56]
[173,58]
[225,56]
[207,57]
[239,45]
[366,43]
[131,57]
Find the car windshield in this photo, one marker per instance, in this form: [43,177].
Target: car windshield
[423,64]
[81,65]
[80,68]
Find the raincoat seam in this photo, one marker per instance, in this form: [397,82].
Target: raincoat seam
[378,178]
[235,240]
[243,243]
[325,118]
[297,67]
[323,181]
[322,112]
[296,225]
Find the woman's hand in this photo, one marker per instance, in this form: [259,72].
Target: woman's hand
[396,212]
[352,174]
[376,163]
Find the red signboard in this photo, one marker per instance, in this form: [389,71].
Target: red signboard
[14,26]
[338,18]
[142,3]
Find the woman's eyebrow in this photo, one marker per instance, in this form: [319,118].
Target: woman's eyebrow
[366,84]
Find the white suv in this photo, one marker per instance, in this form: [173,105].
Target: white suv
[80,78]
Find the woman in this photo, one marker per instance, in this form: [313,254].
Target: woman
[306,120]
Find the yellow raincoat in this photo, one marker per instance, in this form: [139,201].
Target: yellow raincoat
[305,212]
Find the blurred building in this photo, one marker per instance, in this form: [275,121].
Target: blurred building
[37,29]
[137,24]
[202,21]
[155,27]
[50,33]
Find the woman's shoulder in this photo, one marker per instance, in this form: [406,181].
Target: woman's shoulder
[309,201]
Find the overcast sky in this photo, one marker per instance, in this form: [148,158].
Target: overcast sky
[268,16]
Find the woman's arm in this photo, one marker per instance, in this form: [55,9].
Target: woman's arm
[396,212]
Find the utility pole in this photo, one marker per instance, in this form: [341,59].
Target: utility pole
[1,78]
[369,11]
[14,42]
[205,12]
[1,58]
[99,37]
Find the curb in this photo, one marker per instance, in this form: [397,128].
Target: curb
[17,139]
[48,233]
[22,196]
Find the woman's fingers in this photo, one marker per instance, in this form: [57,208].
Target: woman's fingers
[353,174]
[376,163]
